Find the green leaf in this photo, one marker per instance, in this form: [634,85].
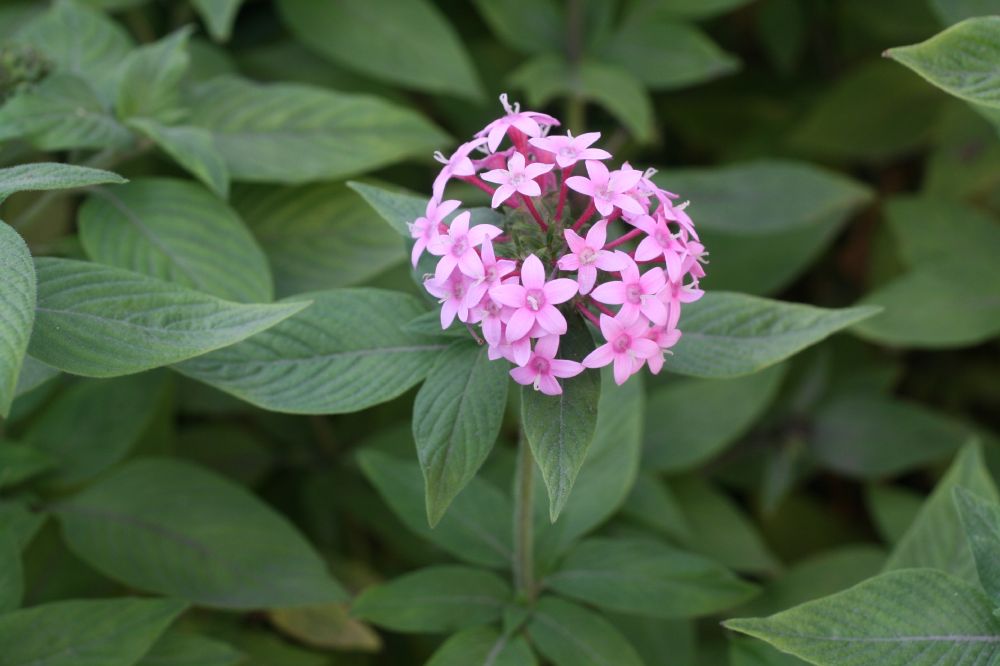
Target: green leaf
[932,229]
[873,113]
[344,353]
[953,11]
[817,576]
[20,462]
[949,303]
[666,54]
[408,42]
[570,635]
[106,632]
[19,521]
[80,41]
[456,419]
[981,520]
[50,176]
[653,504]
[751,652]
[397,207]
[936,539]
[548,76]
[17,304]
[607,474]
[329,626]
[764,197]
[177,231]
[62,112]
[918,617]
[560,428]
[962,61]
[696,9]
[893,509]
[545,31]
[483,646]
[34,373]
[646,577]
[177,529]
[435,600]
[11,572]
[869,436]
[727,334]
[690,421]
[477,527]
[100,321]
[149,84]
[193,148]
[219,16]
[178,648]
[291,133]
[83,436]
[720,530]
[318,236]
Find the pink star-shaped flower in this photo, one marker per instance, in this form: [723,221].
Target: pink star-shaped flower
[459,164]
[569,149]
[535,300]
[637,294]
[587,255]
[517,177]
[491,315]
[607,188]
[425,229]
[659,242]
[627,347]
[528,122]
[450,293]
[457,247]
[674,294]
[493,272]
[543,367]
[665,337]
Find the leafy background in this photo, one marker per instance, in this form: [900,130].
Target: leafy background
[203,462]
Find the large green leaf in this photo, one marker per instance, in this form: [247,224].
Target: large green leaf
[17,308]
[570,635]
[962,61]
[763,197]
[177,231]
[193,148]
[11,573]
[81,41]
[51,176]
[182,648]
[19,462]
[94,424]
[101,321]
[291,133]
[664,53]
[408,42]
[690,421]
[107,632]
[560,428]
[483,646]
[545,30]
[931,229]
[318,236]
[869,436]
[437,599]
[177,529]
[936,539]
[916,617]
[456,420]
[345,352]
[397,207]
[62,112]
[149,83]
[727,334]
[607,474]
[695,9]
[646,577]
[477,527]
[953,11]
[219,16]
[981,520]
[874,113]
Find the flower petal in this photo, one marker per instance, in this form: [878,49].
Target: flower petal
[548,385]
[547,346]
[581,185]
[524,375]
[532,273]
[599,358]
[560,290]
[511,295]
[563,368]
[610,293]
[549,318]
[520,323]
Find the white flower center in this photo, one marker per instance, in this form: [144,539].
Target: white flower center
[535,299]
[588,256]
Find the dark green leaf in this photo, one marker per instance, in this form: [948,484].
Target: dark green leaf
[19,462]
[219,16]
[193,148]
[397,207]
[177,648]
[570,635]
[981,520]
[51,176]
[483,646]
[17,308]
[11,572]
[149,83]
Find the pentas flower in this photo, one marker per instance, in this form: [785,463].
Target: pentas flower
[523,288]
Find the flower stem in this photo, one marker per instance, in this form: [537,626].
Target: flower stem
[624,238]
[600,306]
[534,213]
[478,182]
[587,214]
[588,314]
[563,191]
[524,547]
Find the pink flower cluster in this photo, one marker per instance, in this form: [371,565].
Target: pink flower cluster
[633,296]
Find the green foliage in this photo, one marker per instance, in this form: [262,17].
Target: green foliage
[17,298]
[51,176]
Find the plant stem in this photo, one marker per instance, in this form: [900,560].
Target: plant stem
[524,555]
[534,213]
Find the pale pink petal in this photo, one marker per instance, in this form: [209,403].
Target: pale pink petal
[546,143]
[496,135]
[470,264]
[594,154]
[610,293]
[537,169]
[445,208]
[501,194]
[581,185]
[597,171]
[669,339]
[627,203]
[644,347]
[481,232]
[574,240]
[549,318]
[563,368]
[623,369]
[599,358]
[520,323]
[520,350]
[567,262]
[560,290]
[418,249]
[529,188]
[624,180]
[511,295]
[524,375]
[527,125]
[516,163]
[609,261]
[610,328]
[493,330]
[548,385]
[586,139]
[597,235]
[532,273]
[547,346]
[655,310]
[629,313]
[460,225]
[439,245]
[652,281]
[630,273]
[448,311]
[445,266]
[586,276]
[655,363]
[674,269]
[648,249]
[496,176]
[646,223]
